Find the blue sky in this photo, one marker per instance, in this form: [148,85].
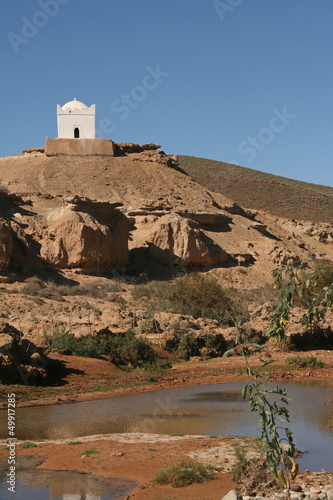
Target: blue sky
[243,81]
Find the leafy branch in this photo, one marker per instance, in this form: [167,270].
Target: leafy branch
[312,289]
[270,404]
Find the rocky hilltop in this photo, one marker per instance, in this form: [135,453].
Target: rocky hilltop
[100,214]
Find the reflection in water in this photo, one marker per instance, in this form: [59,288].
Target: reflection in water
[216,409]
[221,396]
[53,485]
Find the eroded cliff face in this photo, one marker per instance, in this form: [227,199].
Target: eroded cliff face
[82,234]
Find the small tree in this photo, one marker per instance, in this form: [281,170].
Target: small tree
[270,404]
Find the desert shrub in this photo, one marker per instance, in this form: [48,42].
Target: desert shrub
[127,349]
[91,451]
[192,294]
[184,345]
[36,286]
[200,296]
[304,362]
[29,444]
[184,473]
[87,347]
[33,286]
[123,348]
[250,474]
[215,344]
[187,346]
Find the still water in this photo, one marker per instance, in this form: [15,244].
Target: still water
[211,410]
[59,485]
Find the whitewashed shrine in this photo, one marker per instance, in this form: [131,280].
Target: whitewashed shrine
[76,120]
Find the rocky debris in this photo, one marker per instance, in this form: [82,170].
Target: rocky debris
[101,210]
[20,360]
[318,230]
[232,495]
[147,211]
[242,259]
[303,492]
[33,150]
[262,228]
[74,239]
[173,321]
[150,147]
[158,157]
[174,240]
[207,218]
[167,328]
[281,256]
[234,208]
[130,147]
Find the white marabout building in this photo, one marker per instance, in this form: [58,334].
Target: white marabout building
[76,120]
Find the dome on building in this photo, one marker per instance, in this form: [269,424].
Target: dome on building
[71,105]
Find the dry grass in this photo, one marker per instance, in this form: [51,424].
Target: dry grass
[261,191]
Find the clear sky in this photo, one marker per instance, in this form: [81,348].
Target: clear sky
[243,81]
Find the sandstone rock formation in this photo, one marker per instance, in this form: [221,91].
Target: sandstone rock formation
[95,241]
[174,240]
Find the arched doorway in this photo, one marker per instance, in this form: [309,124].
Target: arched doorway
[76,133]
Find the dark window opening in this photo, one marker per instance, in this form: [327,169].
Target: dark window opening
[76,133]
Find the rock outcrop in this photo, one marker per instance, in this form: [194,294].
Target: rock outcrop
[174,240]
[130,147]
[86,235]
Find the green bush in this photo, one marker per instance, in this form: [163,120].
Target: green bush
[124,349]
[87,347]
[187,346]
[127,349]
[304,362]
[184,474]
[184,345]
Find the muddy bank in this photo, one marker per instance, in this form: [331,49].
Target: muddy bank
[139,457]
[87,379]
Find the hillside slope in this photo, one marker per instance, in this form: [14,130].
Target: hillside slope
[261,191]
